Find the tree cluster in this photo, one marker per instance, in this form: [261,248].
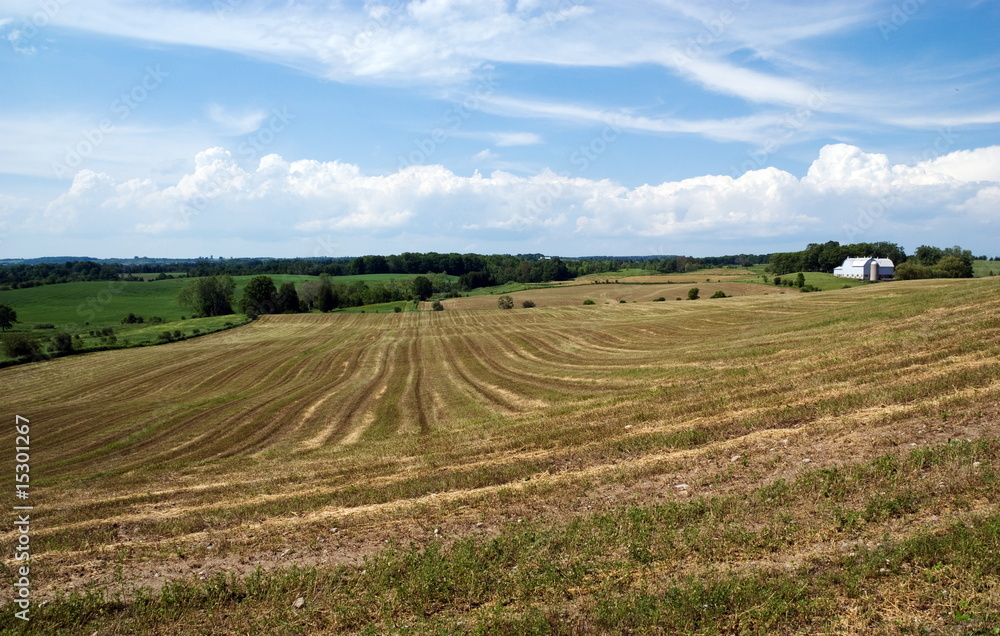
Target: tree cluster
[824,257]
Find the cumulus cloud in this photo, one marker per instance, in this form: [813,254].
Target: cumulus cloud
[845,191]
[980,164]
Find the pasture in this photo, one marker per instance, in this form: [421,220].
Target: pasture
[765,463]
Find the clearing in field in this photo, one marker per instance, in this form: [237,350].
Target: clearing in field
[771,464]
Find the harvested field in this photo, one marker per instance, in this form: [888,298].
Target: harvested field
[611,293]
[607,454]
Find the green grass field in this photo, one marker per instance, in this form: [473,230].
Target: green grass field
[79,308]
[981,269]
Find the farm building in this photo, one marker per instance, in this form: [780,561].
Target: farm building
[866,268]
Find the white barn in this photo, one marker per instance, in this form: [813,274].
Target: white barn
[866,268]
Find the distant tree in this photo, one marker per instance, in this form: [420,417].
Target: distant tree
[7,317]
[527,304]
[61,343]
[927,255]
[288,299]
[719,294]
[912,270]
[693,293]
[209,295]
[800,280]
[588,301]
[18,345]
[505,302]
[777,280]
[952,267]
[259,297]
[325,301]
[437,306]
[422,287]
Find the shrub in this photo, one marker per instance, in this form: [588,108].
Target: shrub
[588,302]
[165,336]
[719,294]
[505,302]
[195,331]
[397,309]
[777,280]
[527,304]
[693,293]
[45,325]
[177,333]
[659,300]
[17,345]
[622,301]
[437,306]
[156,320]
[809,288]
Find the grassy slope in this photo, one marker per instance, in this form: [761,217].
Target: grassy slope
[983,268]
[424,428]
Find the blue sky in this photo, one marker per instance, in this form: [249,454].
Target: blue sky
[248,128]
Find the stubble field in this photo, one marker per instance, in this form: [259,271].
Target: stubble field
[753,464]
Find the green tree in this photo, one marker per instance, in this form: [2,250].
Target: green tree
[719,294]
[800,280]
[288,299]
[209,295]
[325,300]
[693,293]
[952,267]
[259,297]
[436,306]
[423,288]
[61,343]
[505,302]
[17,345]
[911,270]
[7,317]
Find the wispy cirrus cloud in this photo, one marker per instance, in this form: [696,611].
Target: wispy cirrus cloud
[236,123]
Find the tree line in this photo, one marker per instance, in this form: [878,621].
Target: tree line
[926,261]
[216,295]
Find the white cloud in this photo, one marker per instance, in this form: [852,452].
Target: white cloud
[484,155]
[232,123]
[281,200]
[980,164]
[516,139]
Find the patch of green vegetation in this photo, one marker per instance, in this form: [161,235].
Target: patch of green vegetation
[981,268]
[508,288]
[623,273]
[380,308]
